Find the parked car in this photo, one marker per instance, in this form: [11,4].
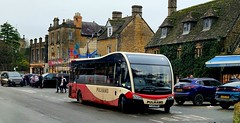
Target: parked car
[50,79]
[228,94]
[11,78]
[197,90]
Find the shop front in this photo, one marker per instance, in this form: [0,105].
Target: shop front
[58,66]
[229,64]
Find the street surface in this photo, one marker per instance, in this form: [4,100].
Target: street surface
[34,105]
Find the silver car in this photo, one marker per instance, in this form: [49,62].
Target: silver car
[11,78]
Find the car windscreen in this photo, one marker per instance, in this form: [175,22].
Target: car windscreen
[14,74]
[185,80]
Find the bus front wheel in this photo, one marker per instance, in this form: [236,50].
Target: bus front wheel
[79,97]
[123,104]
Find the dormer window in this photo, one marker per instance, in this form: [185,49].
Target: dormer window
[208,19]
[166,27]
[109,31]
[207,23]
[186,28]
[164,32]
[188,22]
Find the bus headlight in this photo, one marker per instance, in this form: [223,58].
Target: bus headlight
[136,97]
[170,98]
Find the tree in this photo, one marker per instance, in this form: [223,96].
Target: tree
[9,46]
[10,35]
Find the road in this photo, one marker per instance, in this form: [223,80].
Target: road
[34,105]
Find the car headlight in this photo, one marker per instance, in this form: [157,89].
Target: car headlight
[136,97]
[170,98]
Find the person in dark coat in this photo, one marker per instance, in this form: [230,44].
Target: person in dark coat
[58,82]
[40,81]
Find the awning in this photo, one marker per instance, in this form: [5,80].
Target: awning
[224,61]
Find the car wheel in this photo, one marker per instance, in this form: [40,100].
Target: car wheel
[123,105]
[2,84]
[224,105]
[179,101]
[166,109]
[79,97]
[198,99]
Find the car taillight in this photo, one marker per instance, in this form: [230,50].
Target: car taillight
[188,87]
[236,89]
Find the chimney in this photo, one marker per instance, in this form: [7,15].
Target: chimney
[78,20]
[136,9]
[55,22]
[116,15]
[172,6]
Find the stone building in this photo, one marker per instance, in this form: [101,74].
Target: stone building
[129,34]
[71,39]
[38,55]
[194,35]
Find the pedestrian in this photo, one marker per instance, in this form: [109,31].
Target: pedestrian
[63,85]
[58,82]
[40,81]
[65,82]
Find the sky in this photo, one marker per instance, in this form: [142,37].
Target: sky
[32,18]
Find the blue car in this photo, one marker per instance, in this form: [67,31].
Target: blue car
[197,90]
[228,94]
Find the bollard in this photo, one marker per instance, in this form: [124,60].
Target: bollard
[236,113]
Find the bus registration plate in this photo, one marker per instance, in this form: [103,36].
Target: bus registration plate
[153,106]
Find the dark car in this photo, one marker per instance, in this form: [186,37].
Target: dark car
[228,94]
[11,78]
[50,79]
[197,90]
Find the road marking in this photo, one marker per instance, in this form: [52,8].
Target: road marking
[181,118]
[157,121]
[28,91]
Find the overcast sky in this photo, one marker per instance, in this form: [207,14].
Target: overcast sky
[32,18]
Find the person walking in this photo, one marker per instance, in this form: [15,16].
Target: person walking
[58,82]
[63,85]
[40,81]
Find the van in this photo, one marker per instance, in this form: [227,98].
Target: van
[11,78]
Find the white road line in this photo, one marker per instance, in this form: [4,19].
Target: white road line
[133,116]
[28,91]
[157,121]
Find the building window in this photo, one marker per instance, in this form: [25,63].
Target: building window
[43,54]
[37,57]
[157,52]
[109,49]
[32,56]
[186,28]
[179,52]
[52,38]
[70,35]
[207,23]
[58,37]
[109,30]
[198,50]
[164,32]
[53,53]
[58,52]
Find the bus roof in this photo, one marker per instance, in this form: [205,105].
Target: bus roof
[123,53]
